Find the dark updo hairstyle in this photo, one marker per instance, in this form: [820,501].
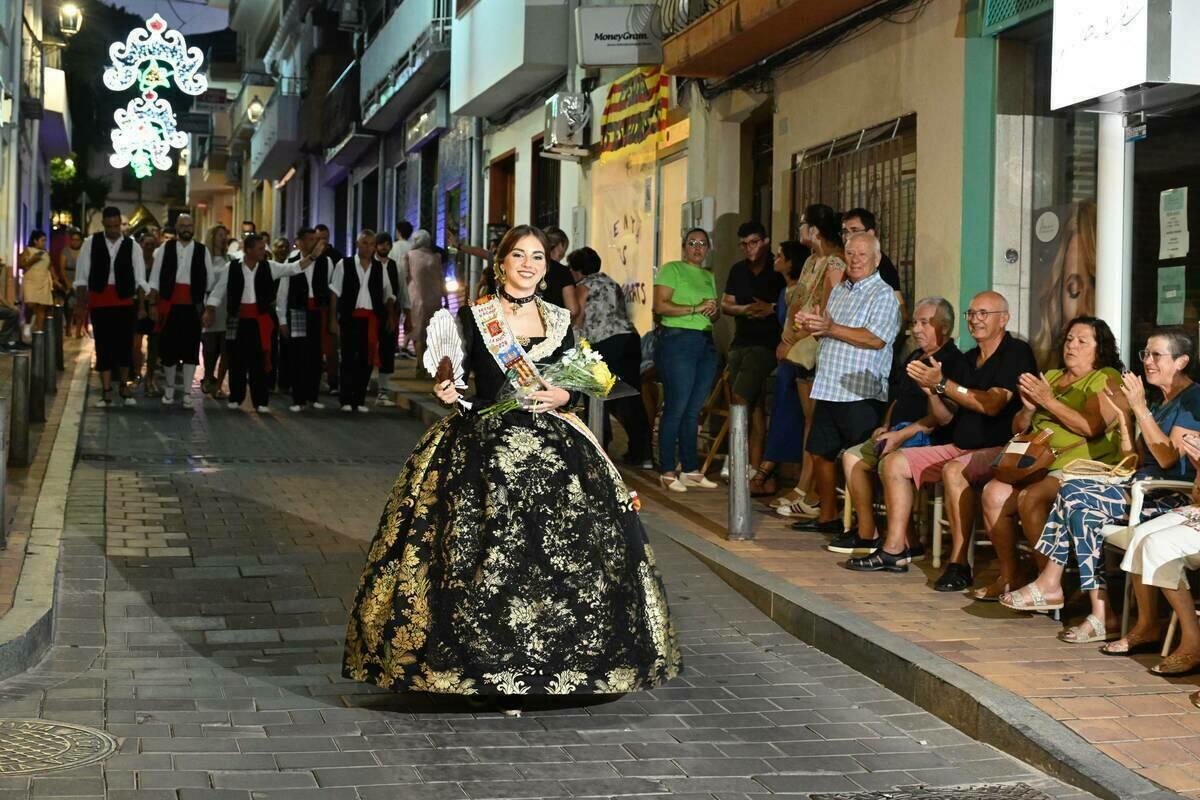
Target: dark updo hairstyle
[585,261]
[796,254]
[1107,354]
[36,234]
[827,222]
[509,243]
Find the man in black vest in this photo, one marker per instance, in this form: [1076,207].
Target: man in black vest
[302,304]
[109,276]
[250,302]
[329,338]
[362,303]
[391,331]
[182,282]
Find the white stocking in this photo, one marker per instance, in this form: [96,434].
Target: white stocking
[169,382]
[189,375]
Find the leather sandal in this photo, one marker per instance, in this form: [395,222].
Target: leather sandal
[1075,634]
[1133,645]
[1177,665]
[992,592]
[762,483]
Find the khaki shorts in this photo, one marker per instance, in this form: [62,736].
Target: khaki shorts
[749,368]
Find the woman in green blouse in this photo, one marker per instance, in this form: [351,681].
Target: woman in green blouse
[685,300]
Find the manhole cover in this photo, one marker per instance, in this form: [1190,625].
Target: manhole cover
[1006,791]
[38,745]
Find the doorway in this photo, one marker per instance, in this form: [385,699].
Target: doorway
[370,201]
[502,189]
[429,184]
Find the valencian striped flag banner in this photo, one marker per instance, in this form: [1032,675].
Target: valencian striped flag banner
[636,108]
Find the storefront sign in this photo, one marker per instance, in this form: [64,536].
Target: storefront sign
[1173,236]
[614,36]
[1100,47]
[213,101]
[636,109]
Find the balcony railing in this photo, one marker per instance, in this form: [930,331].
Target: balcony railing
[678,14]
[416,29]
[33,84]
[341,106]
[276,141]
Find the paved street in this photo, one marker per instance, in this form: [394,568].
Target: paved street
[209,562]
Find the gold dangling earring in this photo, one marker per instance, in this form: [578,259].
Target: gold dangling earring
[542,286]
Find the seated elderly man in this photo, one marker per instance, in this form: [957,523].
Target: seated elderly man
[907,423]
[978,401]
[856,332]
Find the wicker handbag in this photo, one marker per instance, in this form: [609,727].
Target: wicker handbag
[1025,459]
[803,353]
[1084,469]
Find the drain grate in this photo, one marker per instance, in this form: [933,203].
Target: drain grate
[1000,791]
[37,745]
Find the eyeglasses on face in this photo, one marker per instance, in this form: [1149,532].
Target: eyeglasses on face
[1153,355]
[697,243]
[753,241]
[973,313]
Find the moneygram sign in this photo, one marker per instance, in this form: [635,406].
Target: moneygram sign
[618,36]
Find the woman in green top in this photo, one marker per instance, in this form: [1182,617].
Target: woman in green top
[1068,402]
[685,300]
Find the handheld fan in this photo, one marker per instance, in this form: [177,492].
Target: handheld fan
[443,357]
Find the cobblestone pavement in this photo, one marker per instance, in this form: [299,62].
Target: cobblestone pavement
[200,620]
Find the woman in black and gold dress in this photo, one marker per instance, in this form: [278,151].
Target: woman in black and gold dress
[510,559]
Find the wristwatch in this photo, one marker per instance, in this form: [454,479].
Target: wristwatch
[941,386]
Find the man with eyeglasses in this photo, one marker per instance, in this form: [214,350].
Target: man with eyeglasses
[978,400]
[858,220]
[750,294]
[854,361]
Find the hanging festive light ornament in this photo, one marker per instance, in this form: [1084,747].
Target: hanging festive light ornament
[155,43]
[145,133]
[146,128]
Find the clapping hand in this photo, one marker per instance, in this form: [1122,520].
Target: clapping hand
[927,376]
[1134,391]
[1191,447]
[815,324]
[760,309]
[709,308]
[1035,389]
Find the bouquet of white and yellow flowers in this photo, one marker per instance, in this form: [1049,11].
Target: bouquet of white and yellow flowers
[581,369]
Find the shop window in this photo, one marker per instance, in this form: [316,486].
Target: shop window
[545,182]
[876,169]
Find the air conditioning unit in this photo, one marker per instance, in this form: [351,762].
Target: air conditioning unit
[351,16]
[567,116]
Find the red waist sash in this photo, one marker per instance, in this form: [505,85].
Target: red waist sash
[182,296]
[108,298]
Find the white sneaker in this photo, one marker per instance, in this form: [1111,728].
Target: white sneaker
[362,409]
[102,403]
[696,479]
[189,401]
[130,402]
[263,409]
[168,401]
[725,470]
[383,401]
[800,508]
[295,408]
[647,464]
[232,406]
[347,408]
[318,406]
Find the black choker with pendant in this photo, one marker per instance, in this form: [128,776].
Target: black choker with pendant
[517,301]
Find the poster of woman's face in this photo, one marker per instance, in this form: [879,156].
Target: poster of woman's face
[1064,274]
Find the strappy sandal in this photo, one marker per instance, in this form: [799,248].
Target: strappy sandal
[1133,646]
[1075,634]
[1016,600]
[1177,665]
[794,496]
[762,483]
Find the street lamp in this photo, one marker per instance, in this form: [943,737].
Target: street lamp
[254,110]
[70,20]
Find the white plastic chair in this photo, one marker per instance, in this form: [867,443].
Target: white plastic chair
[1119,536]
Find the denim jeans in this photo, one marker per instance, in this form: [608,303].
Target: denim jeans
[687,366]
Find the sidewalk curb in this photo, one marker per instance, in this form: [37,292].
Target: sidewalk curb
[28,628]
[958,696]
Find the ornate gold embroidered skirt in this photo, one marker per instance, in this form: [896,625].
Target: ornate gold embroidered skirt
[510,560]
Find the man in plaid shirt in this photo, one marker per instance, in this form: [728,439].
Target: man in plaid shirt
[856,331]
